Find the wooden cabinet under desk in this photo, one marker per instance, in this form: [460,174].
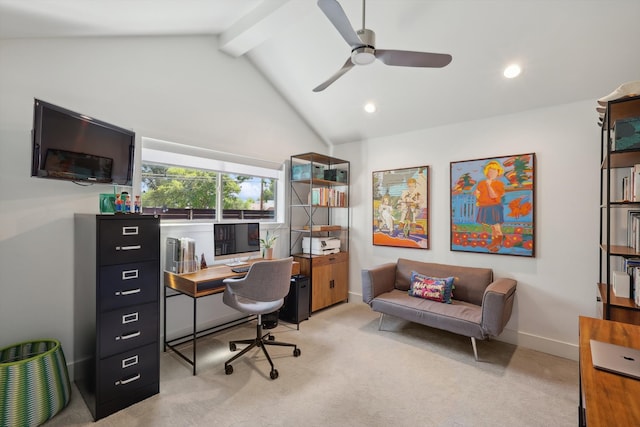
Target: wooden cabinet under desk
[607,399]
[329,278]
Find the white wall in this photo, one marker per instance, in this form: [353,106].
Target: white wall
[182,89]
[178,89]
[559,283]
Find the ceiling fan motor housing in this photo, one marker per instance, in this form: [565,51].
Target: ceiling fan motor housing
[363,55]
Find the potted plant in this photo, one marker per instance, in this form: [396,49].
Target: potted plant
[267,245]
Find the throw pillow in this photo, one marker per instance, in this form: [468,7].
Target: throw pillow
[434,288]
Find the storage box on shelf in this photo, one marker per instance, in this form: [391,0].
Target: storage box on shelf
[620,210]
[319,213]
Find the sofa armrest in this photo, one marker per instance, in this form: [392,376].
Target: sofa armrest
[497,304]
[378,280]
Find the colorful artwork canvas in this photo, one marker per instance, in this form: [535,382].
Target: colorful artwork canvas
[493,205]
[400,208]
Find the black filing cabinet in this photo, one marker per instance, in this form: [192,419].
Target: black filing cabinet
[116,310]
[296,303]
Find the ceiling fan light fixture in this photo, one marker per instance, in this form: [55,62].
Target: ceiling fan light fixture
[370,107]
[512,71]
[363,55]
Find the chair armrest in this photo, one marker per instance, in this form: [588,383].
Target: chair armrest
[497,304]
[233,284]
[378,280]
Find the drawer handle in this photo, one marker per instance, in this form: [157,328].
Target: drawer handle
[129,318]
[129,292]
[332,259]
[129,231]
[128,336]
[129,274]
[130,361]
[128,380]
[128,248]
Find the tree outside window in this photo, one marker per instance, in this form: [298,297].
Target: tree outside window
[170,190]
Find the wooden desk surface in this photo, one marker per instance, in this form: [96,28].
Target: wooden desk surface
[209,280]
[608,398]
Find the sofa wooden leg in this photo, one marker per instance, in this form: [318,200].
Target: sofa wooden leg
[475,349]
[380,321]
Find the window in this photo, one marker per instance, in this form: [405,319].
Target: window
[183,186]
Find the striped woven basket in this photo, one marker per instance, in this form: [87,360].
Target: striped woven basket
[34,383]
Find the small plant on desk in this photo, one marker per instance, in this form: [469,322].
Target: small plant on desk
[267,245]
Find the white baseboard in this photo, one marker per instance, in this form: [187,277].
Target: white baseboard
[538,343]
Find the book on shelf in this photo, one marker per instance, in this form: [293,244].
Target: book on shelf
[631,185]
[635,183]
[631,227]
[635,286]
[327,197]
[626,192]
[632,268]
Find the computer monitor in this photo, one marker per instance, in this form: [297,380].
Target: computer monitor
[236,242]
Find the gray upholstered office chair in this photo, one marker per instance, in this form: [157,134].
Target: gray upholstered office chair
[260,292]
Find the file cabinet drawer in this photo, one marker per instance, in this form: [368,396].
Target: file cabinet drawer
[126,328]
[128,240]
[128,371]
[128,284]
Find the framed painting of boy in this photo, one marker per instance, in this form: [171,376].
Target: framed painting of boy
[493,205]
[400,207]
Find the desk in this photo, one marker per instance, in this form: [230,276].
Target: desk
[196,285]
[607,397]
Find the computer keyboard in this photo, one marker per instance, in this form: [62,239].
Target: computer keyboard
[242,269]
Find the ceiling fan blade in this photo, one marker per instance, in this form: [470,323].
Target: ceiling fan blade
[339,19]
[406,58]
[346,67]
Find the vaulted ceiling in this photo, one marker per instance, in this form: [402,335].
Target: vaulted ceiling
[569,50]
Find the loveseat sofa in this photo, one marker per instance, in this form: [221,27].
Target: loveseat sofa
[480,306]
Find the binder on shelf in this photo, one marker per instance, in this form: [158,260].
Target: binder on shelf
[621,284]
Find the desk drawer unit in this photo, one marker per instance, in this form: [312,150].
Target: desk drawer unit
[117,310]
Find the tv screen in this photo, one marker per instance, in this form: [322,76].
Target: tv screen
[236,240]
[72,146]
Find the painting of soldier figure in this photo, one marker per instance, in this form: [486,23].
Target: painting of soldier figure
[400,207]
[492,205]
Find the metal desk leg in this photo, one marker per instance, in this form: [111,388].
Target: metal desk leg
[194,334]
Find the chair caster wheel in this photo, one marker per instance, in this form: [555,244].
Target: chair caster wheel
[271,338]
[273,374]
[296,352]
[228,369]
[232,346]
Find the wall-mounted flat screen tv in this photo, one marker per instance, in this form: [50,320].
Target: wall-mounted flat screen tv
[71,146]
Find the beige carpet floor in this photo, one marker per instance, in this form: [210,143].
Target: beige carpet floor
[352,374]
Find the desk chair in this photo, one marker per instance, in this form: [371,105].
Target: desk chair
[260,292]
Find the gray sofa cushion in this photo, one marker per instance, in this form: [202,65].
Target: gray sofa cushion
[470,283]
[458,317]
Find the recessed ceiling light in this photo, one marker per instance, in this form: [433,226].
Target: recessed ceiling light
[512,71]
[370,107]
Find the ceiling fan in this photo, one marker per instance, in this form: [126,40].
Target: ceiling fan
[363,50]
